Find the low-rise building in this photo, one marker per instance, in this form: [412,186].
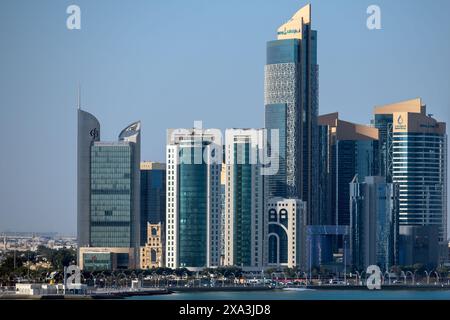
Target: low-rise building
[152,254]
[98,259]
[286,238]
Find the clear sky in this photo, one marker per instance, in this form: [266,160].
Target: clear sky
[170,62]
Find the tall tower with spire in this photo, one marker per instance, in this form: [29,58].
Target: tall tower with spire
[291,106]
[108,230]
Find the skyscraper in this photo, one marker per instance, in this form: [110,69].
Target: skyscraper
[374,230]
[153,196]
[109,211]
[194,160]
[223,182]
[291,106]
[244,206]
[413,147]
[347,149]
[88,133]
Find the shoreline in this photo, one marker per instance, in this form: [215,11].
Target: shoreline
[168,291]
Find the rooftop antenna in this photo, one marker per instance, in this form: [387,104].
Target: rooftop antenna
[79,97]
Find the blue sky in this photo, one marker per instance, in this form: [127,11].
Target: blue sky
[170,62]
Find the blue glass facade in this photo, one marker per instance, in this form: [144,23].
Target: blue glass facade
[153,199]
[319,244]
[242,205]
[383,122]
[374,223]
[325,186]
[111,195]
[193,211]
[418,167]
[349,158]
[417,161]
[275,118]
[283,51]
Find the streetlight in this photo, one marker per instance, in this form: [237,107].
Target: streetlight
[345,260]
[164,274]
[358,277]
[234,278]
[437,277]
[389,277]
[413,276]
[428,276]
[403,274]
[185,274]
[153,277]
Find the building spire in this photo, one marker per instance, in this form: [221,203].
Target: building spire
[79,97]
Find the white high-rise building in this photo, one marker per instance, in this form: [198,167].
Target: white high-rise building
[194,159]
[413,154]
[244,204]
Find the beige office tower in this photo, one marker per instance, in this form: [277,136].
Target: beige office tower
[244,205]
[152,254]
[413,152]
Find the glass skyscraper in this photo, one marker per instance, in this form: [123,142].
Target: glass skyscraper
[193,198]
[153,196]
[111,194]
[108,197]
[244,199]
[347,149]
[374,229]
[291,106]
[88,133]
[414,155]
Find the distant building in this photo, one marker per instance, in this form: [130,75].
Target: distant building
[194,160]
[287,237]
[153,196]
[108,194]
[152,254]
[374,233]
[244,213]
[413,149]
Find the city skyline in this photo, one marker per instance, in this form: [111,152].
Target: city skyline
[66,213]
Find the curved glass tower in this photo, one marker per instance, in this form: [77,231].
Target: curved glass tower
[193,211]
[88,132]
[108,196]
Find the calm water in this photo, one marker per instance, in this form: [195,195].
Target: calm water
[306,295]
